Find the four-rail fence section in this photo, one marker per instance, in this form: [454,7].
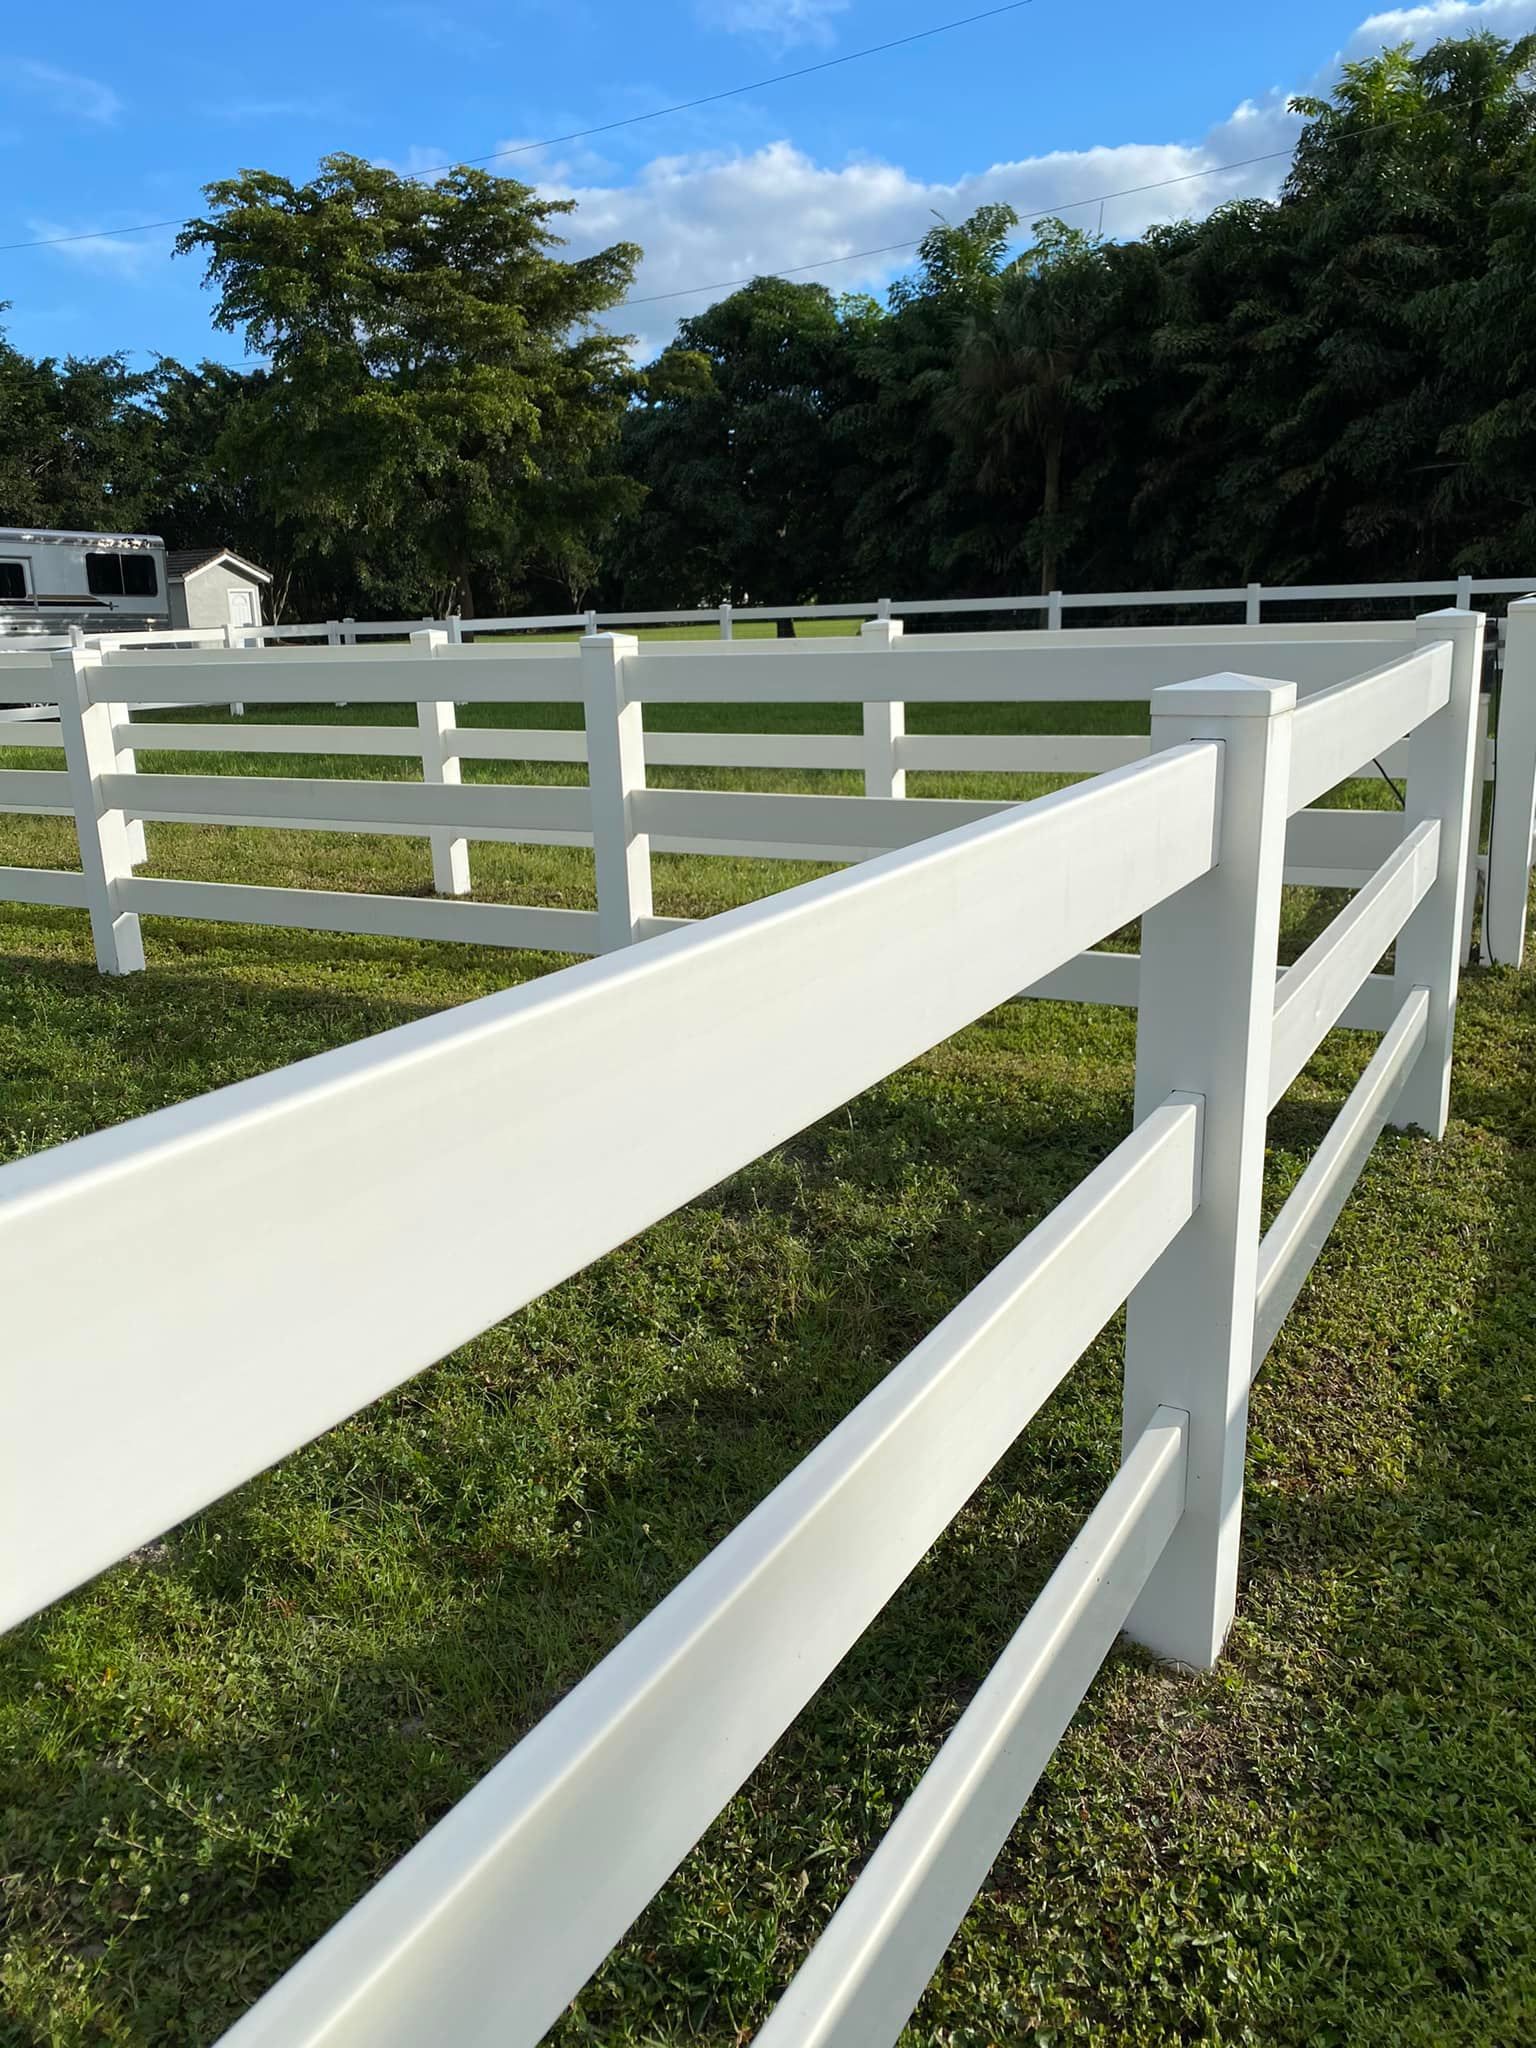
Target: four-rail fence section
[706,1047]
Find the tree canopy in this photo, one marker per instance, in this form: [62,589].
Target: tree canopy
[1336,385]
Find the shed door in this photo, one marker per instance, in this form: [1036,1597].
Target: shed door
[242,607]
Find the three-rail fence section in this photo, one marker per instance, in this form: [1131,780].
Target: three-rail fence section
[677,1057]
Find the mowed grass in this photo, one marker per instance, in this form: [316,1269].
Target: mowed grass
[210,1752]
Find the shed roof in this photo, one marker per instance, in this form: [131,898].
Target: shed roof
[183,562]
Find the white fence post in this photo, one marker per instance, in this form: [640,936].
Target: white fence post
[1205,1024]
[450,856]
[727,627]
[1253,610]
[455,629]
[1053,612]
[1428,952]
[615,770]
[884,724]
[1514,792]
[234,638]
[333,632]
[1475,834]
[106,857]
[127,763]
[349,631]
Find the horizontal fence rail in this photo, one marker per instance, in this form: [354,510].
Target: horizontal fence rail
[618,816]
[676,1063]
[1509,859]
[888,1937]
[322,1125]
[574,1833]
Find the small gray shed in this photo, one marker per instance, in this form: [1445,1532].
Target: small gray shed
[214,587]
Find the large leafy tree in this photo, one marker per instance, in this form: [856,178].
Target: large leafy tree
[732,444]
[440,399]
[907,497]
[1035,366]
[76,441]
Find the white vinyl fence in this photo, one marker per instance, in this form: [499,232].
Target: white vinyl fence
[612,677]
[704,1049]
[1508,865]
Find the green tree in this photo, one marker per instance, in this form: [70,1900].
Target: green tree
[906,497]
[1034,365]
[731,444]
[76,441]
[440,400]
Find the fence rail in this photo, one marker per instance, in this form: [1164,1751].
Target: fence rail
[705,1049]
[616,814]
[1509,859]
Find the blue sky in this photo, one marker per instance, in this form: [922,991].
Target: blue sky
[108,119]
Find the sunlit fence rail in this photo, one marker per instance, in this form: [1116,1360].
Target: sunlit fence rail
[1508,863]
[611,678]
[704,1049]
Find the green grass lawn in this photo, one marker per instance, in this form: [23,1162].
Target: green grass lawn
[213,1749]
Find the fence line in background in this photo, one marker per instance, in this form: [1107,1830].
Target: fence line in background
[616,814]
[887,754]
[707,1048]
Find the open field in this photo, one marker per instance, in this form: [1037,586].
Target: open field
[1332,1839]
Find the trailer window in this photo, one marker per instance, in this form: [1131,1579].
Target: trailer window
[139,576]
[13,581]
[104,575]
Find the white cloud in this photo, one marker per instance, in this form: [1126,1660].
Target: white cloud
[1424,25]
[66,92]
[778,21]
[709,220]
[122,256]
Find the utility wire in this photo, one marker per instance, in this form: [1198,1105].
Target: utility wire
[707,99]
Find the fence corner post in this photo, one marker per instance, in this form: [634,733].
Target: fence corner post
[439,764]
[885,722]
[1514,792]
[727,624]
[1440,783]
[106,856]
[615,772]
[1204,1030]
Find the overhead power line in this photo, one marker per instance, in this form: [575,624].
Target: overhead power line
[708,99]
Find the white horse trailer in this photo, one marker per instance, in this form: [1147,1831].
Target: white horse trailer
[101,582]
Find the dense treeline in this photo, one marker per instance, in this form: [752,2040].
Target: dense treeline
[1336,385]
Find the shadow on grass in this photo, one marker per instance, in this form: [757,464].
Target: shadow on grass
[273,1705]
[1327,1840]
